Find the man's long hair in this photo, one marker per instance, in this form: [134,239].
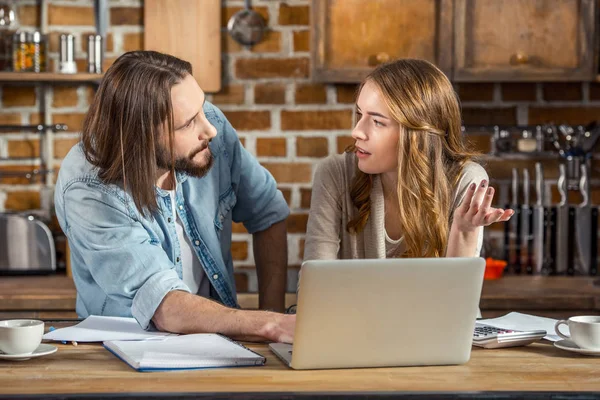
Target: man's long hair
[129,114]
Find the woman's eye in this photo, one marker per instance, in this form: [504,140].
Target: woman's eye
[377,123]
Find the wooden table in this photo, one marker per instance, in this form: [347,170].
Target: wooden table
[518,372]
[557,297]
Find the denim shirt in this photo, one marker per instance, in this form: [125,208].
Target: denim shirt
[124,263]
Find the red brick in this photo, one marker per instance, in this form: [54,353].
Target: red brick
[562,91]
[301,40]
[74,121]
[126,16]
[269,94]
[490,116]
[63,146]
[346,94]
[227,13]
[24,148]
[230,94]
[311,93]
[241,282]
[501,169]
[133,41]
[239,250]
[64,96]
[10,119]
[312,147]
[270,43]
[296,223]
[287,195]
[17,180]
[252,68]
[305,195]
[519,91]
[68,15]
[290,172]
[275,147]
[18,96]
[313,120]
[29,15]
[563,115]
[249,120]
[476,92]
[90,92]
[22,201]
[293,15]
[343,142]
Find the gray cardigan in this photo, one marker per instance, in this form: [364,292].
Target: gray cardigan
[331,208]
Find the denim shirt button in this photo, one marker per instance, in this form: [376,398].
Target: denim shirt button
[177,259]
[181,207]
[169,219]
[216,276]
[197,242]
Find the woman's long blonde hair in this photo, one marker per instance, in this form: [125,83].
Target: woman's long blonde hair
[431,154]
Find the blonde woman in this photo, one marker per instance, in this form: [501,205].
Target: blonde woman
[408,186]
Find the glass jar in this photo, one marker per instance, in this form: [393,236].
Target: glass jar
[22,52]
[39,44]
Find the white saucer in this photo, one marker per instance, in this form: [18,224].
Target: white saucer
[42,350]
[570,346]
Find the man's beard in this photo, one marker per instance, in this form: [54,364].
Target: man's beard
[186,164]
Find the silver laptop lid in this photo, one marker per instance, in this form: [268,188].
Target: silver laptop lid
[388,312]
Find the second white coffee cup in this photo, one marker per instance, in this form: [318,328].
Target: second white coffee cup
[20,336]
[584,330]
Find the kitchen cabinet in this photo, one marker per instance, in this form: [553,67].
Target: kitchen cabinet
[351,37]
[525,40]
[470,40]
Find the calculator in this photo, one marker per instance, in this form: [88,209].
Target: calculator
[492,337]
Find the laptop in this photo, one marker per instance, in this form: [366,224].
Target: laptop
[384,313]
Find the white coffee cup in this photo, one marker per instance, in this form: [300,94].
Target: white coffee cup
[20,336]
[584,330]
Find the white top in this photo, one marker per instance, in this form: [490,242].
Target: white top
[192,272]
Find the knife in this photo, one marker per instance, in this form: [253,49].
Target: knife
[584,224]
[516,231]
[538,220]
[562,224]
[526,224]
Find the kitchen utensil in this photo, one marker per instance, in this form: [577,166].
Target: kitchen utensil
[538,220]
[26,246]
[526,225]
[66,62]
[562,223]
[583,224]
[590,139]
[94,54]
[246,26]
[516,231]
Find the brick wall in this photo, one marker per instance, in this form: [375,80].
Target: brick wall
[283,118]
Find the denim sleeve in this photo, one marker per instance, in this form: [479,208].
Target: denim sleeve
[118,252]
[259,203]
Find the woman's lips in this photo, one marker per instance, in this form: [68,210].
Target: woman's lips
[360,153]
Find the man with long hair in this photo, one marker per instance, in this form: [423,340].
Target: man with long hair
[147,200]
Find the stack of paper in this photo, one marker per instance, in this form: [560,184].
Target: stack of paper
[525,322]
[99,329]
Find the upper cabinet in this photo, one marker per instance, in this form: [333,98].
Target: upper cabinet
[520,40]
[470,40]
[351,37]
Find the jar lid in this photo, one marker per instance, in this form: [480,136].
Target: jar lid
[37,37]
[21,36]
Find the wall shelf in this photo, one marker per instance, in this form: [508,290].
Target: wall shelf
[48,77]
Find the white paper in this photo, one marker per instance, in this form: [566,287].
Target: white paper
[526,322]
[98,329]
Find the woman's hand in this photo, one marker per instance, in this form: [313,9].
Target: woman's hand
[476,209]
